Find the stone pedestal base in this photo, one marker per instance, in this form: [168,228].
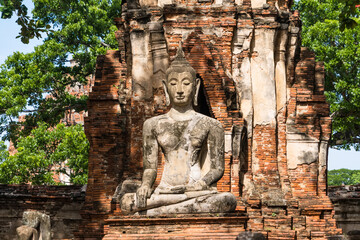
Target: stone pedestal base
[305,219]
[204,226]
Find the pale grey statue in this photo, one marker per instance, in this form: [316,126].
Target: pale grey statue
[36,226]
[193,147]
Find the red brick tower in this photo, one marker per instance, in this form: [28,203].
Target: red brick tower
[256,80]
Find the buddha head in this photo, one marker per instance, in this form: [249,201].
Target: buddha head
[181,85]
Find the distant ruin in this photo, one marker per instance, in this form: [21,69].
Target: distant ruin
[346,200]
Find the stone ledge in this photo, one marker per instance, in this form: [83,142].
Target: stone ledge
[179,219]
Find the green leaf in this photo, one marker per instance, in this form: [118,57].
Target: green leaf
[6,13]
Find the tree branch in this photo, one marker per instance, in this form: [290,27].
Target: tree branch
[105,45]
[341,142]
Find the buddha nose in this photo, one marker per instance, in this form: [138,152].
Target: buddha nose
[180,90]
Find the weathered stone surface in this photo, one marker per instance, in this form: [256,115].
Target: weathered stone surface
[280,70]
[27,233]
[210,203]
[262,76]
[142,86]
[301,150]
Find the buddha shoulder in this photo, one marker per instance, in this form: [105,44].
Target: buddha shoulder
[210,122]
[152,123]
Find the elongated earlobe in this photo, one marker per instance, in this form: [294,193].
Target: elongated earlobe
[166,94]
[197,81]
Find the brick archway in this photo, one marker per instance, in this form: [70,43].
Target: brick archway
[207,62]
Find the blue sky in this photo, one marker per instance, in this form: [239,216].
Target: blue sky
[9,44]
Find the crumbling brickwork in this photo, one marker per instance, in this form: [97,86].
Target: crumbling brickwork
[265,89]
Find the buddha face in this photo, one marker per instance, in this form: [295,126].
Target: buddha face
[181,88]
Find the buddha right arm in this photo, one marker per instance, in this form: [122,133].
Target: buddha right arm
[150,157]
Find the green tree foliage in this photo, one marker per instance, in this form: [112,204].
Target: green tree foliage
[46,152]
[343,176]
[35,84]
[323,22]
[4,154]
[81,30]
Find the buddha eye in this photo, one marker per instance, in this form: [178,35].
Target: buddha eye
[186,82]
[173,83]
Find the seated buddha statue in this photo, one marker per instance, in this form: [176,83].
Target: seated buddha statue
[193,148]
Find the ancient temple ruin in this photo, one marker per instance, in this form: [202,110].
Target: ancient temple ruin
[267,92]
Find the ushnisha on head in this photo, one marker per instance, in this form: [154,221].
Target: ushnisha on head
[181,85]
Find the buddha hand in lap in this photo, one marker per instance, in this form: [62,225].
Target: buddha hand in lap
[193,147]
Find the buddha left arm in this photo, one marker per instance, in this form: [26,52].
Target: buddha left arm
[215,141]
